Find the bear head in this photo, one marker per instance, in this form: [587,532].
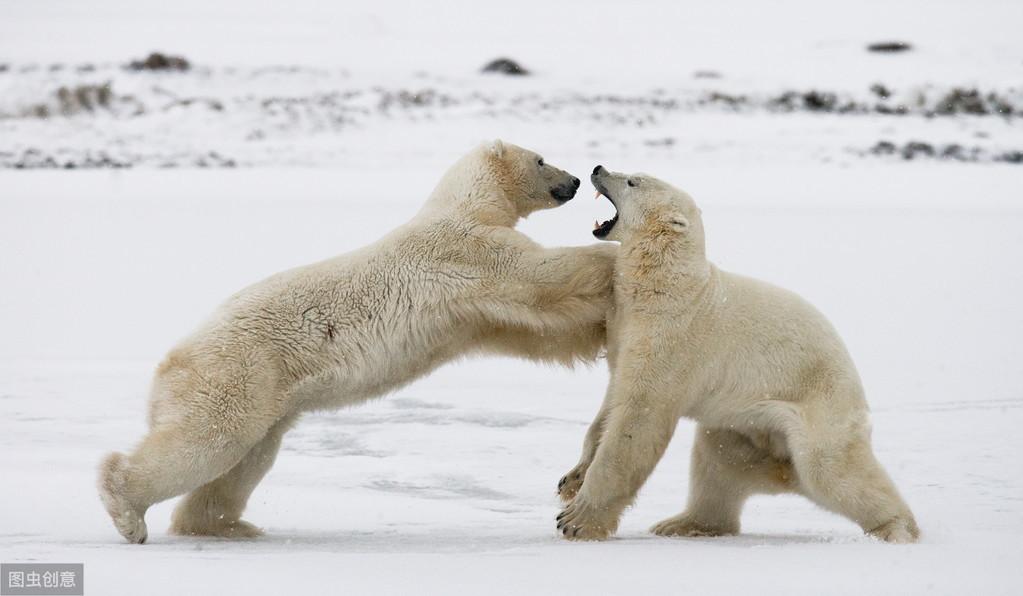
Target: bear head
[498,183]
[647,210]
[528,181]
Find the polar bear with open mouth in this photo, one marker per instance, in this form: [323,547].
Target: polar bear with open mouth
[455,280]
[777,399]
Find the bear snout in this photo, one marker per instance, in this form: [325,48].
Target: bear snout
[597,179]
[565,192]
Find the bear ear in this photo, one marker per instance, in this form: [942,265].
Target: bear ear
[497,148]
[678,222]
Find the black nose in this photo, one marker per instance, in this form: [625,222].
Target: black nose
[575,182]
[597,169]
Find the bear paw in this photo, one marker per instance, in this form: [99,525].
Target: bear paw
[238,529]
[569,485]
[579,521]
[128,519]
[685,525]
[899,530]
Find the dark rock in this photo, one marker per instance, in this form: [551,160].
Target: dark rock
[505,66]
[72,100]
[36,159]
[883,148]
[1011,157]
[84,96]
[914,149]
[899,110]
[816,101]
[785,101]
[214,104]
[812,101]
[65,97]
[158,61]
[880,90]
[104,93]
[951,152]
[999,105]
[889,47]
[961,101]
[215,160]
[954,151]
[33,158]
[732,101]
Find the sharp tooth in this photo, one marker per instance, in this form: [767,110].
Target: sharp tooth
[597,196]
[596,224]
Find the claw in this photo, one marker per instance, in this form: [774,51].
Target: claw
[597,196]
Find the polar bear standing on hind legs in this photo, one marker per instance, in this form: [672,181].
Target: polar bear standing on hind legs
[456,279]
[777,399]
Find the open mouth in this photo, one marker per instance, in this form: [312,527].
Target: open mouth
[602,229]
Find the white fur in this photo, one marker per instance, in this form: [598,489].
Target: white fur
[455,280]
[778,401]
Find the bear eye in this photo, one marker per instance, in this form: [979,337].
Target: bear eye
[539,162]
[633,183]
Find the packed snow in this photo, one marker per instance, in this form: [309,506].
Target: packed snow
[334,123]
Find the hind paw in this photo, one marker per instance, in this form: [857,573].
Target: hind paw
[899,530]
[128,519]
[235,529]
[685,525]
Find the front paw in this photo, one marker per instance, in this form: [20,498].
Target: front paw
[580,521]
[569,485]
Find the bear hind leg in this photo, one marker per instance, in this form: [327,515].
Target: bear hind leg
[846,478]
[215,508]
[726,469]
[171,460]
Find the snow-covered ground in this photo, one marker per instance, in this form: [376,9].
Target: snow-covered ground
[449,485]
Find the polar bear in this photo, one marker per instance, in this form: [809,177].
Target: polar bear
[456,279]
[777,399]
